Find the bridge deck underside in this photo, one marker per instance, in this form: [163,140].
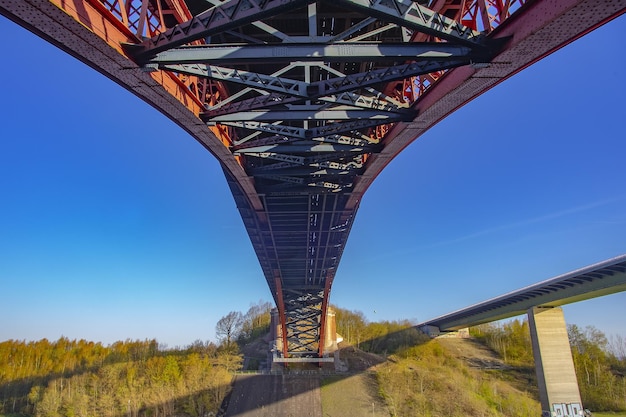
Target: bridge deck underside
[311,92]
[299,245]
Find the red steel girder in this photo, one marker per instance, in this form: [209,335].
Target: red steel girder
[534,31]
[280,304]
[323,316]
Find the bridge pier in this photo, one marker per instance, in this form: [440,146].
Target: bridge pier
[556,376]
[275,355]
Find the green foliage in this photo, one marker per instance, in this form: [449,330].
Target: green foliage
[68,378]
[511,340]
[426,380]
[602,384]
[350,325]
[133,378]
[391,337]
[256,322]
[383,337]
[599,364]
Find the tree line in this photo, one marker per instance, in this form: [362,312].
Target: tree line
[382,337]
[237,328]
[131,378]
[142,379]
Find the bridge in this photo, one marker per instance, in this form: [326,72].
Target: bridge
[558,387]
[305,102]
[597,280]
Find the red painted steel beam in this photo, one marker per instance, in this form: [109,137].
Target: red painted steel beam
[83,31]
[281,313]
[324,310]
[536,30]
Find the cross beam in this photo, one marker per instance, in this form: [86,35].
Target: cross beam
[313,114]
[229,15]
[337,52]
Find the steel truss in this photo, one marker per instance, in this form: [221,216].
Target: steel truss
[303,318]
[312,89]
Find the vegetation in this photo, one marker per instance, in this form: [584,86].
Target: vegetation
[600,370]
[419,376]
[418,371]
[131,378]
[600,364]
[511,340]
[228,327]
[255,323]
[243,328]
[422,377]
[384,337]
[427,380]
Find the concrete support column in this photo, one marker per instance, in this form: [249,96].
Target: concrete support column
[276,334]
[330,338]
[556,377]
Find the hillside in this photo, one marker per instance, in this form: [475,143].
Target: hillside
[449,377]
[420,380]
[409,375]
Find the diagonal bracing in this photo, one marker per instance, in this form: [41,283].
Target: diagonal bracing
[313,87]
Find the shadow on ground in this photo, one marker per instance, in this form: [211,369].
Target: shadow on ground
[292,391]
[349,389]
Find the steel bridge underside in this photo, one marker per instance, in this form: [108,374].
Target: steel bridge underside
[307,101]
[298,242]
[313,87]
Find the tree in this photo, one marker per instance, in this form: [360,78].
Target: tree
[228,327]
[256,321]
[351,325]
[617,346]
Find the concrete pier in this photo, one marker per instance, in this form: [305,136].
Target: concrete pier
[556,376]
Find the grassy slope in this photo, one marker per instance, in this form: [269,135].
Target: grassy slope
[355,395]
[439,378]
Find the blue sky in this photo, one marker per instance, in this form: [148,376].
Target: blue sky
[115,224]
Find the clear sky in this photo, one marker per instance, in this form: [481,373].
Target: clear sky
[115,224]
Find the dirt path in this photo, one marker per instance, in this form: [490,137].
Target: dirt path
[475,354]
[351,394]
[275,396]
